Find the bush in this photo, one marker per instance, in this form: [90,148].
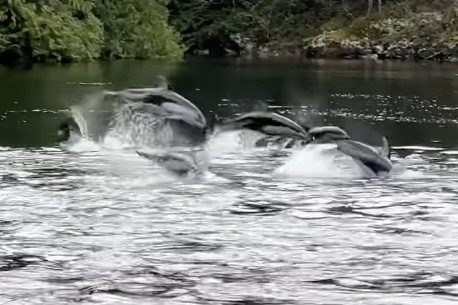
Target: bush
[73,30]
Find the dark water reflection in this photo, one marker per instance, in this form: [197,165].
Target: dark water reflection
[412,103]
[101,227]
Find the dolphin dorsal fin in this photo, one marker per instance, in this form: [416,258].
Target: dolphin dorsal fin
[385,148]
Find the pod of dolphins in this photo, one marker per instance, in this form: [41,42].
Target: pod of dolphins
[189,122]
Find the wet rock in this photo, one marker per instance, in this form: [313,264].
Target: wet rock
[424,53]
[416,36]
[370,56]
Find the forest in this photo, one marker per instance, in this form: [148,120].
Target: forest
[77,30]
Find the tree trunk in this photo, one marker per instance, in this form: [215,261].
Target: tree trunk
[370,4]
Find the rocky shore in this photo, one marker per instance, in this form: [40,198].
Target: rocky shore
[414,36]
[421,36]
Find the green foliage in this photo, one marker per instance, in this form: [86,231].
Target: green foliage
[261,21]
[137,29]
[195,19]
[72,30]
[285,25]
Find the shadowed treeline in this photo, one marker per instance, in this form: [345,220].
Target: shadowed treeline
[77,30]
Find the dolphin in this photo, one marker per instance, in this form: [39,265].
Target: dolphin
[178,163]
[367,155]
[323,134]
[269,124]
[180,113]
[165,103]
[377,160]
[173,104]
[326,133]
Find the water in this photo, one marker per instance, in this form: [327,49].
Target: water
[100,225]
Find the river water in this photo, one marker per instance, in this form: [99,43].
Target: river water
[100,225]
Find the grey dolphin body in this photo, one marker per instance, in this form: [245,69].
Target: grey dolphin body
[367,155]
[180,113]
[178,163]
[168,104]
[324,134]
[272,125]
[377,160]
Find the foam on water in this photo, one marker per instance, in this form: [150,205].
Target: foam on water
[80,144]
[449,152]
[417,148]
[320,161]
[232,140]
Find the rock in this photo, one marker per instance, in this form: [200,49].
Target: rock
[424,53]
[414,36]
[370,57]
[378,49]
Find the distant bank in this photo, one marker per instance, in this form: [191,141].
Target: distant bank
[86,30]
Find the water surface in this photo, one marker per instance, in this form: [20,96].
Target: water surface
[98,225]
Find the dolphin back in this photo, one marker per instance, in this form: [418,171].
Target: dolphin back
[265,122]
[328,133]
[168,100]
[366,154]
[265,116]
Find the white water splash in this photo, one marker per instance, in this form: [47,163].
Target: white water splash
[134,126]
[233,140]
[113,125]
[417,148]
[320,161]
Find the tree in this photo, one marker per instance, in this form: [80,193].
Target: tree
[370,4]
[72,30]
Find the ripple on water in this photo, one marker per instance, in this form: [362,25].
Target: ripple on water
[95,224]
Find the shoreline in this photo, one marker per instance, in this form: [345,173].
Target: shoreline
[346,54]
[331,54]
